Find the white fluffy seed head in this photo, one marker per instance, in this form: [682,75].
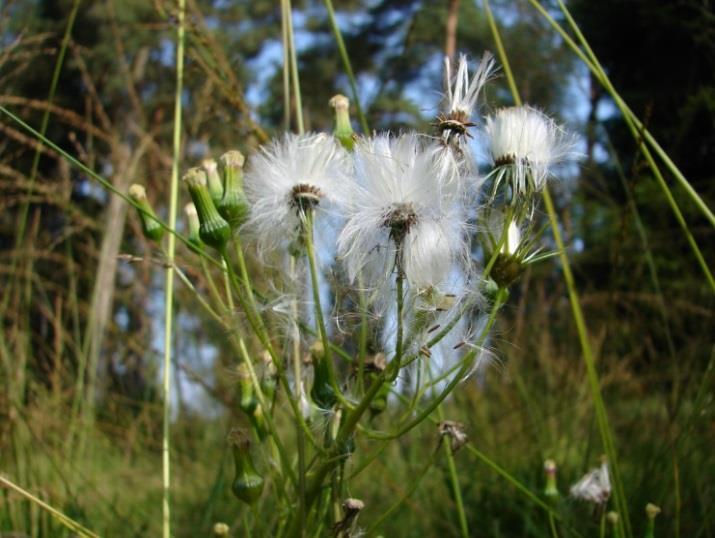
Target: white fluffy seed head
[527,143]
[594,487]
[289,172]
[461,93]
[403,193]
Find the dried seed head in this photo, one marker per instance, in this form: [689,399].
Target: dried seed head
[455,431]
[305,196]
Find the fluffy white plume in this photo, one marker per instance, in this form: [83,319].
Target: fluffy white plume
[461,94]
[403,180]
[524,144]
[595,487]
[287,173]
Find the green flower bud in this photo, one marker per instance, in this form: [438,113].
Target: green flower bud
[506,269]
[651,511]
[379,402]
[214,230]
[247,484]
[343,129]
[248,401]
[192,221]
[150,225]
[233,205]
[551,489]
[258,421]
[322,392]
[213,180]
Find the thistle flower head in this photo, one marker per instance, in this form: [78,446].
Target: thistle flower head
[290,176]
[403,213]
[594,487]
[461,95]
[524,144]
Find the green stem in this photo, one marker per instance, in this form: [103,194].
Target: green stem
[320,320]
[288,15]
[399,338]
[169,286]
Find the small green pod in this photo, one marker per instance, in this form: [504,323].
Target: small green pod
[151,228]
[213,230]
[343,129]
[247,484]
[322,392]
[233,205]
[213,180]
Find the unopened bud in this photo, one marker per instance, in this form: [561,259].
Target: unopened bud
[551,490]
[612,517]
[213,180]
[213,230]
[322,392]
[651,511]
[343,129]
[151,228]
[192,222]
[220,530]
[233,205]
[247,484]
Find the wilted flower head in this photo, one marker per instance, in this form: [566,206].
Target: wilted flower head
[289,177]
[403,212]
[461,95]
[594,487]
[524,144]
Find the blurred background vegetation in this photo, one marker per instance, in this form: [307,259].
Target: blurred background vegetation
[81,309]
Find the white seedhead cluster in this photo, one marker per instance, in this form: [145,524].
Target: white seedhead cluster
[393,258]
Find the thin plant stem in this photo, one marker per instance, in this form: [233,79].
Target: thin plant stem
[288,15]
[456,489]
[298,381]
[319,318]
[346,65]
[448,448]
[260,331]
[400,298]
[62,518]
[587,353]
[264,404]
[169,284]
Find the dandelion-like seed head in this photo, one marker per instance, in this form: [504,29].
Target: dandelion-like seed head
[289,177]
[461,96]
[404,212]
[525,144]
